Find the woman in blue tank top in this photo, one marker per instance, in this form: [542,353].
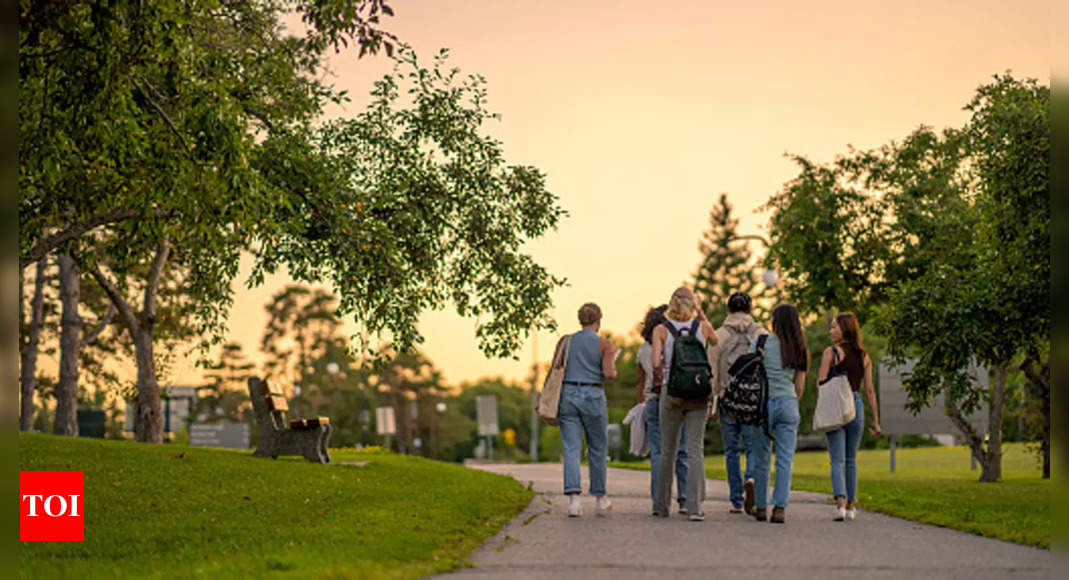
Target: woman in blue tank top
[583,409]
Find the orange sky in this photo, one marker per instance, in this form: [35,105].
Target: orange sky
[642,113]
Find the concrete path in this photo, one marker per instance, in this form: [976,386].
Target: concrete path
[543,542]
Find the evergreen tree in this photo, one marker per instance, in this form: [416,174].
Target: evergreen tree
[725,267]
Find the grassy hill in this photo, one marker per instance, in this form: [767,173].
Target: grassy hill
[176,511]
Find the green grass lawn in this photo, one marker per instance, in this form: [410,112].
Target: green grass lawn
[935,485]
[173,511]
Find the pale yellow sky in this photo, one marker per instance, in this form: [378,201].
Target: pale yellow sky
[641,114]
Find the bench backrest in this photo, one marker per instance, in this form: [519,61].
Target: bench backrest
[268,404]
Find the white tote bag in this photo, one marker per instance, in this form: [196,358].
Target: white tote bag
[549,399]
[835,400]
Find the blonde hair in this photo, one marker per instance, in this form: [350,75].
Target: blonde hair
[589,313]
[683,305]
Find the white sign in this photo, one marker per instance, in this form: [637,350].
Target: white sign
[895,419]
[384,421]
[228,435]
[486,413]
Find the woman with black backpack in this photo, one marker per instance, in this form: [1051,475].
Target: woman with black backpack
[680,356]
[786,361]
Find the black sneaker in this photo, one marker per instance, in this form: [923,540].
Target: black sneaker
[779,515]
[760,515]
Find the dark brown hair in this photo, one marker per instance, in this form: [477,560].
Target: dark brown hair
[851,330]
[793,350]
[654,317]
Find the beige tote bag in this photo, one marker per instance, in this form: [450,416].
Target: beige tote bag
[549,399]
[835,400]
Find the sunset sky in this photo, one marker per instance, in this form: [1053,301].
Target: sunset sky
[642,113]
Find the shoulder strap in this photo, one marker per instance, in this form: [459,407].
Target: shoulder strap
[694,327]
[671,328]
[566,342]
[761,340]
[835,355]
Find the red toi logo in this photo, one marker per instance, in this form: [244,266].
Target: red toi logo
[51,506]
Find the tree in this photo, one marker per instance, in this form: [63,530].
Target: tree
[225,397]
[954,227]
[137,127]
[29,343]
[428,214]
[725,267]
[188,133]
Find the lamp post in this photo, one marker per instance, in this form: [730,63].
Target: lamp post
[440,408]
[770,276]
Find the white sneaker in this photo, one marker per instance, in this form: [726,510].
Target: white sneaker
[851,514]
[602,506]
[575,508]
[840,514]
[698,517]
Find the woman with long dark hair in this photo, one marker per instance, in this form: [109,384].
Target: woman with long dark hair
[847,354]
[786,361]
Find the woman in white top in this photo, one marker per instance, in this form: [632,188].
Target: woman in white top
[649,393]
[685,316]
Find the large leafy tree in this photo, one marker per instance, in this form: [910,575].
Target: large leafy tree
[943,239]
[178,137]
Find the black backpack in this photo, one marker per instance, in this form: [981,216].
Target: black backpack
[745,400]
[690,372]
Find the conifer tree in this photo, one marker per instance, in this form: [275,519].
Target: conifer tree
[725,265]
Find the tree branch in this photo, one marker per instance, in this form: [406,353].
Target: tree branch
[154,273]
[49,243]
[126,315]
[159,109]
[966,428]
[104,322]
[1034,374]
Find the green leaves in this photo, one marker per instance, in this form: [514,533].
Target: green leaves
[425,212]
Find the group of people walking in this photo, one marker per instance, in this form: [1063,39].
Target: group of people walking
[675,409]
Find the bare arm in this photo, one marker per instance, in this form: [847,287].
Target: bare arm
[799,384]
[870,393]
[608,359]
[640,387]
[825,365]
[660,334]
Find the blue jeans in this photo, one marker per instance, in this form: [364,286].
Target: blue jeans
[842,447]
[783,419]
[738,437]
[652,414]
[583,409]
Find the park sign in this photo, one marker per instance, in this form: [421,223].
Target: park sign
[896,419]
[486,413]
[385,422]
[227,435]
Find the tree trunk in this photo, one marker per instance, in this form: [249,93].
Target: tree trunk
[70,340]
[991,468]
[148,422]
[148,417]
[28,378]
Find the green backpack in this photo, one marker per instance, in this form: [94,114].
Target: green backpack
[690,372]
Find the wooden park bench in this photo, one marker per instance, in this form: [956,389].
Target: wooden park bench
[305,437]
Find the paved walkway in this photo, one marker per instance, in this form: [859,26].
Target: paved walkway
[543,542]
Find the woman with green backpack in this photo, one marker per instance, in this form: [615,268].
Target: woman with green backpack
[680,356]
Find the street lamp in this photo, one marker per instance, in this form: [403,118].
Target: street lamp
[770,276]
